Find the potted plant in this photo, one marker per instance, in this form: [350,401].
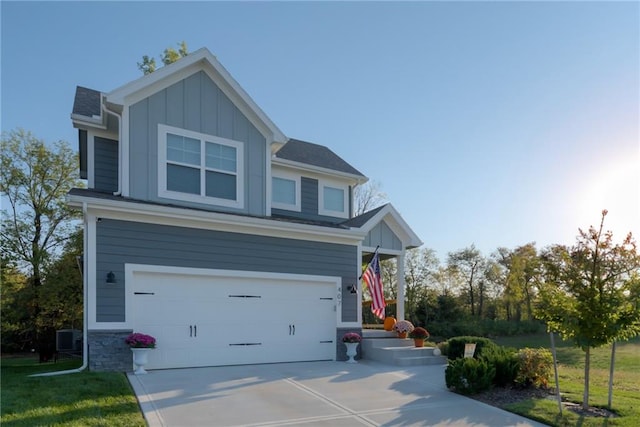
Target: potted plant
[419,335]
[403,327]
[351,341]
[140,345]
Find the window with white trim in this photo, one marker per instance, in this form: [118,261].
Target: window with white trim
[200,168]
[333,200]
[285,191]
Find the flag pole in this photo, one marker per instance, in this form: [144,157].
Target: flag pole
[369,263]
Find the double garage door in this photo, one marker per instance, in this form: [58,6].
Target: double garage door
[214,319]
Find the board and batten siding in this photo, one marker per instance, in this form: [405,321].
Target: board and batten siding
[105,173]
[381,235]
[197,104]
[119,242]
[309,189]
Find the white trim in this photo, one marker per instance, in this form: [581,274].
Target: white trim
[131,269]
[90,261]
[267,182]
[203,138]
[124,185]
[322,183]
[206,220]
[297,180]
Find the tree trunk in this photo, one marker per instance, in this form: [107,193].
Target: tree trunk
[613,362]
[585,396]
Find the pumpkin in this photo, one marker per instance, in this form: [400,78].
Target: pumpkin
[388,323]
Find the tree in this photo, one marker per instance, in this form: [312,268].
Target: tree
[588,292]
[61,295]
[168,56]
[470,263]
[368,196]
[35,179]
[420,266]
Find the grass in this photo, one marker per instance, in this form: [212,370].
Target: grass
[78,399]
[626,388]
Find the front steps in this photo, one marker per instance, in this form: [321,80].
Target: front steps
[386,347]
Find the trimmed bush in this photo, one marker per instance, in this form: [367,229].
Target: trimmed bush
[455,346]
[506,363]
[536,365]
[468,375]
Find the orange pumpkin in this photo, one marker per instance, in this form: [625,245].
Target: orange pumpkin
[388,323]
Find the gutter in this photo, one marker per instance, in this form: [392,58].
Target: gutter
[85,315]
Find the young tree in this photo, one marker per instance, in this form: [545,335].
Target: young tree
[586,294]
[168,56]
[35,178]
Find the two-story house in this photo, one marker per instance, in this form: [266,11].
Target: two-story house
[208,228]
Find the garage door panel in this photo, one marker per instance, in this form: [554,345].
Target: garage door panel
[203,320]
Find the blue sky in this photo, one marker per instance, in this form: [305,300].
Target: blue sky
[493,123]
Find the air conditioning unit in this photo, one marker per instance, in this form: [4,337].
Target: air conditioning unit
[68,340]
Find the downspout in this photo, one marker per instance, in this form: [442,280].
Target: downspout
[119,117]
[85,315]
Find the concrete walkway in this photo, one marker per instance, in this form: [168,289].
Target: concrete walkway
[310,394]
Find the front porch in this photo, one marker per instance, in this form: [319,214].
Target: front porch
[385,347]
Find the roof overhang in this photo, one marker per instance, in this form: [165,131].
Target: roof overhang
[194,218]
[353,178]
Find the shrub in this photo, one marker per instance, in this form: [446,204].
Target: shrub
[455,346]
[535,367]
[469,375]
[506,363]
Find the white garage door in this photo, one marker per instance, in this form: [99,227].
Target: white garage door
[208,320]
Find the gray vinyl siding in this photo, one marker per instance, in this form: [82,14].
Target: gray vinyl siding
[120,242]
[195,104]
[82,153]
[382,235]
[308,204]
[105,173]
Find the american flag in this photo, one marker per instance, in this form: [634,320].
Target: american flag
[371,277]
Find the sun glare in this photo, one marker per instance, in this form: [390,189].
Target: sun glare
[617,189]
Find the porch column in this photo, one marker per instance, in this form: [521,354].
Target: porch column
[400,290]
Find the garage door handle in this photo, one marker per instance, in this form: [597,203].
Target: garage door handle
[294,329]
[195,330]
[190,330]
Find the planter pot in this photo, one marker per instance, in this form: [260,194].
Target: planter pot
[419,342]
[402,334]
[140,358]
[352,350]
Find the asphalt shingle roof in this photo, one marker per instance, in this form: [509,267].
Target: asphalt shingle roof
[315,155]
[86,102]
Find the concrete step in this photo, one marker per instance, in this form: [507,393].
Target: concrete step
[399,352]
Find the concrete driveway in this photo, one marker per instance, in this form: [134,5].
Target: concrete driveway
[310,394]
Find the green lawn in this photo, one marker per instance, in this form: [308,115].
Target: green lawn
[79,399]
[626,389]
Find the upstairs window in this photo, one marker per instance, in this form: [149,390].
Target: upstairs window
[285,191]
[199,168]
[333,200]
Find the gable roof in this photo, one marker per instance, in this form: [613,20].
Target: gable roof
[388,214]
[319,156]
[200,60]
[86,102]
